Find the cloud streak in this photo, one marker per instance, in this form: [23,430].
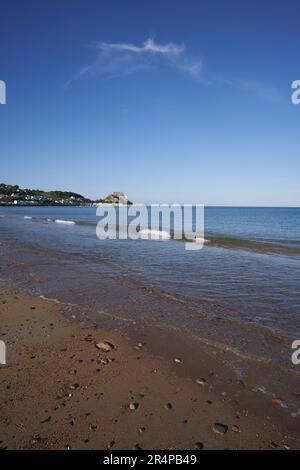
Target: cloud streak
[121,59]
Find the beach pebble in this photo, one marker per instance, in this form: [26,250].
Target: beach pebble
[201,381]
[46,420]
[104,346]
[235,428]
[88,338]
[136,447]
[199,445]
[220,428]
[274,445]
[35,439]
[277,401]
[178,360]
[104,361]
[133,405]
[74,386]
[168,406]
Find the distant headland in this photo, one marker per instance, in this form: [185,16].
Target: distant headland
[13,195]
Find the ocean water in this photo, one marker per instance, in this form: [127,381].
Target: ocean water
[241,290]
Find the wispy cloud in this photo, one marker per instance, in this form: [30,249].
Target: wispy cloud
[265,91]
[121,59]
[149,46]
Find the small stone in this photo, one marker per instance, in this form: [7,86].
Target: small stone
[178,360]
[110,444]
[133,405]
[104,361]
[201,381]
[235,428]
[220,428]
[142,429]
[277,401]
[199,445]
[104,346]
[74,386]
[46,420]
[168,406]
[35,439]
[136,447]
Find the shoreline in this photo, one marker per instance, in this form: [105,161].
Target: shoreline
[154,389]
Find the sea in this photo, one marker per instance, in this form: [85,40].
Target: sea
[240,291]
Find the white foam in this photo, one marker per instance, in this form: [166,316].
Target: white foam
[56,301]
[27,217]
[66,222]
[198,240]
[152,234]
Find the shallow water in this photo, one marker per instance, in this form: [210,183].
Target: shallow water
[238,291]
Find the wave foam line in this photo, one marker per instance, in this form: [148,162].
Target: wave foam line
[154,234]
[66,222]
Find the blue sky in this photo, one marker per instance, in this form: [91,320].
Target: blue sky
[169,101]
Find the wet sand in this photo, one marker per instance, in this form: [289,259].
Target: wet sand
[153,389]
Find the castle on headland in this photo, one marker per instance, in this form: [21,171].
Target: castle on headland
[117,197]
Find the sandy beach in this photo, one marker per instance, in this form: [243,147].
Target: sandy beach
[68,387]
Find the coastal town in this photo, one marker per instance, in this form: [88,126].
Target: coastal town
[13,195]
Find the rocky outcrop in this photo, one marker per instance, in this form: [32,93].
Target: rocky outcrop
[117,197]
